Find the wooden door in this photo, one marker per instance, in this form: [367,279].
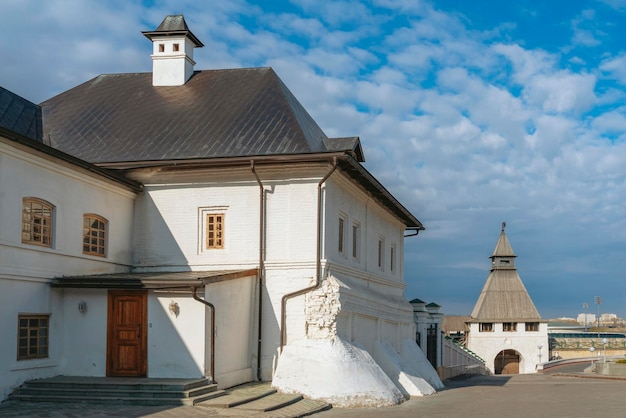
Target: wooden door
[507,362]
[127,333]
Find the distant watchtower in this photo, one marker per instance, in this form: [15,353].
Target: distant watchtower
[172,51]
[505,327]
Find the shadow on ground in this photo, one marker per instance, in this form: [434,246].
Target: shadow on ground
[475,380]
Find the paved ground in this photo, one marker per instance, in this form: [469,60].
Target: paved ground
[536,396]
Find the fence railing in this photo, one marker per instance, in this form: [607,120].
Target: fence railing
[458,360]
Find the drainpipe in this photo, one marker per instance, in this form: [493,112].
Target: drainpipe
[212,362]
[318,274]
[261,266]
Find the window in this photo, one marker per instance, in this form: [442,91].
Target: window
[176,47]
[340,235]
[94,235]
[161,47]
[532,326]
[215,231]
[392,257]
[486,327]
[32,340]
[509,326]
[36,222]
[356,241]
[381,252]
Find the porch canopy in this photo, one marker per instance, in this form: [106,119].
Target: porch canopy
[152,280]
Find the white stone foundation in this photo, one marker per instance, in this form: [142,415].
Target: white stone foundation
[335,371]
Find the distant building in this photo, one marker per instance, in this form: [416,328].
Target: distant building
[506,329]
[608,318]
[587,319]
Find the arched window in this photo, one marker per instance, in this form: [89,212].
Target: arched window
[37,221]
[94,235]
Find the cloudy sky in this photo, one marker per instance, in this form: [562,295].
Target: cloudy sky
[470,113]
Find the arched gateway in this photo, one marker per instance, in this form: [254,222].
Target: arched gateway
[507,362]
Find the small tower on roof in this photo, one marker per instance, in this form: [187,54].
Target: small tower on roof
[172,51]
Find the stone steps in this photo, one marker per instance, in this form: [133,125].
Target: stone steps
[121,391]
[259,399]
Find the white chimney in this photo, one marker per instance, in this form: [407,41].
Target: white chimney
[172,51]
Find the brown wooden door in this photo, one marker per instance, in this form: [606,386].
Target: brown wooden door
[507,362]
[127,333]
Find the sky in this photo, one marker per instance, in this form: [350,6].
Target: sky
[470,113]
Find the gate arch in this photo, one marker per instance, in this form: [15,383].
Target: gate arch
[507,362]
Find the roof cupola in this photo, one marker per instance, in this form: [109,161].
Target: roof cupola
[172,51]
[503,255]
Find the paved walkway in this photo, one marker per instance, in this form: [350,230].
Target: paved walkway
[536,396]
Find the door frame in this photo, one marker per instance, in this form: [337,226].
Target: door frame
[143,333]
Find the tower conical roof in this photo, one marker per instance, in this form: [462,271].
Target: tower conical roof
[503,247]
[504,297]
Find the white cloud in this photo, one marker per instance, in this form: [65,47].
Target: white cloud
[466,128]
[615,67]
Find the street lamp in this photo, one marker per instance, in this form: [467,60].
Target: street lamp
[585,307]
[598,300]
[604,341]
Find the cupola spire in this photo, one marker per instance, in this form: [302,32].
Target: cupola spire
[172,51]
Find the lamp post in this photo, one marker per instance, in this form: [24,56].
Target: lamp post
[604,341]
[591,350]
[585,307]
[598,300]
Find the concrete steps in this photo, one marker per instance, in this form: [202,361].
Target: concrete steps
[120,391]
[259,399]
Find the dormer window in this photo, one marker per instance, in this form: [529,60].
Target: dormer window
[176,47]
[161,47]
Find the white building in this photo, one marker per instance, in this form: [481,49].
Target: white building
[506,329]
[52,208]
[586,319]
[215,231]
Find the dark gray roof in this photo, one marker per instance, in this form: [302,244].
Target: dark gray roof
[119,120]
[173,25]
[217,113]
[19,115]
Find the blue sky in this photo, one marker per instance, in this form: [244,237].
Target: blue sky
[470,113]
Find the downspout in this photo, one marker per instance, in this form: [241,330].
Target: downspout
[212,308]
[261,267]
[318,274]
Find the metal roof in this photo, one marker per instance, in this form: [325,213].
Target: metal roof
[217,113]
[174,25]
[19,115]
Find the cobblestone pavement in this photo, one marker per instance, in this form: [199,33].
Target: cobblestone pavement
[536,396]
